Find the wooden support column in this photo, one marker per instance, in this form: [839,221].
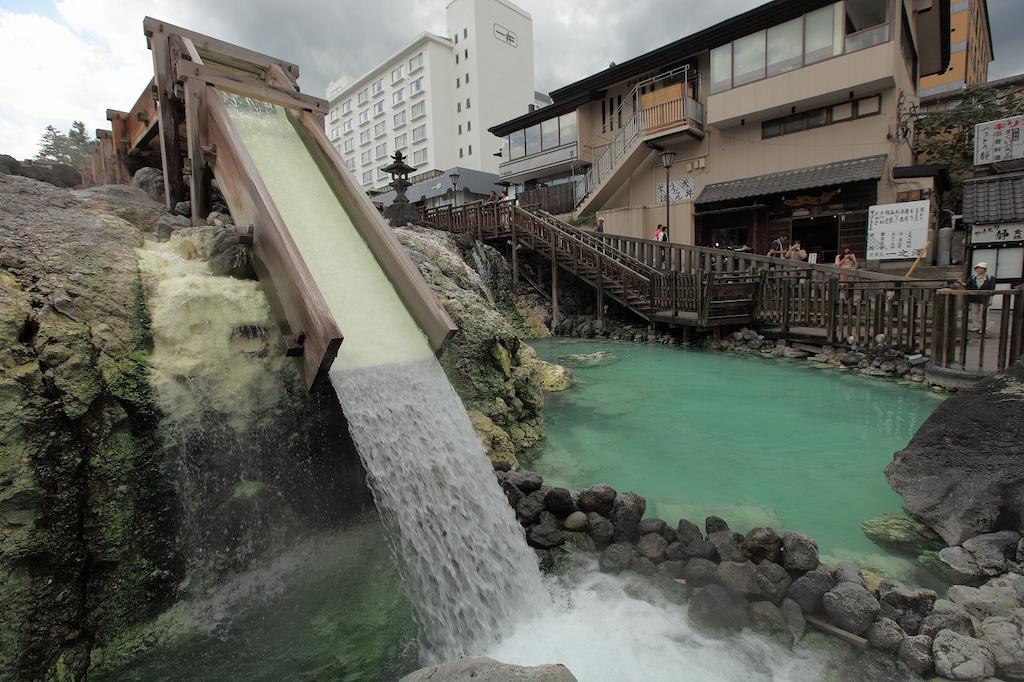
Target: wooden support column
[195,119]
[119,136]
[515,256]
[833,303]
[554,280]
[169,117]
[600,288]
[785,305]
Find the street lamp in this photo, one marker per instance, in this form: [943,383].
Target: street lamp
[455,187]
[666,160]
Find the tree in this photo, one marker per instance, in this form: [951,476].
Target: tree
[71,149]
[947,137]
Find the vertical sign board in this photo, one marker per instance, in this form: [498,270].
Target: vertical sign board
[898,231]
[1000,140]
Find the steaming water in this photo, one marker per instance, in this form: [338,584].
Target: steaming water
[463,558]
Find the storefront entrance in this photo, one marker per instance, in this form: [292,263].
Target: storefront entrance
[819,237]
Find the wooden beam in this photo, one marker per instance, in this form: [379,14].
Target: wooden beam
[219,51]
[554,279]
[195,121]
[169,118]
[250,87]
[119,143]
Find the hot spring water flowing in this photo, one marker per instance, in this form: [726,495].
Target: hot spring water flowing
[463,559]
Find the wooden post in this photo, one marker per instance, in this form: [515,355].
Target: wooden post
[784,326]
[118,133]
[170,117]
[554,280]
[195,119]
[515,256]
[673,277]
[600,287]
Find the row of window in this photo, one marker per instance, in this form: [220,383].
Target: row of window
[398,119]
[458,81]
[377,87]
[419,158]
[848,25]
[419,134]
[822,116]
[468,153]
[546,135]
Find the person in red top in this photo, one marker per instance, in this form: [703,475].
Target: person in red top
[657,233]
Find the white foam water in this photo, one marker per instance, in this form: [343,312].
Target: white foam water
[463,559]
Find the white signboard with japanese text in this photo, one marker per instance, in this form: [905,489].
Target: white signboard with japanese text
[681,189]
[898,231]
[997,234]
[1000,140]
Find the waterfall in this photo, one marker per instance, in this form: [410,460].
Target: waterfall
[463,558]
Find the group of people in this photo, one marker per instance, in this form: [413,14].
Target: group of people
[661,233]
[781,248]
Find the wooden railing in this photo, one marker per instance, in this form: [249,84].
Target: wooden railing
[954,345]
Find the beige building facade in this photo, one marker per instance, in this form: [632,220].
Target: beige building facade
[791,118]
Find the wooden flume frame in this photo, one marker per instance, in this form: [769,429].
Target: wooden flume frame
[181,112]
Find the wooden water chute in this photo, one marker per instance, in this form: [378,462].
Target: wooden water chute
[190,69]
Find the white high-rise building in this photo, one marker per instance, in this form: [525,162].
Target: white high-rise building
[436,97]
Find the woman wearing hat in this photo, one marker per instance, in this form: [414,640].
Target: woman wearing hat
[980,281]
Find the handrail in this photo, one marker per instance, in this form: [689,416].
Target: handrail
[598,244]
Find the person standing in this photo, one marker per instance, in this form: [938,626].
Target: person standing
[778,247]
[664,234]
[795,252]
[657,233]
[847,260]
[599,228]
[980,281]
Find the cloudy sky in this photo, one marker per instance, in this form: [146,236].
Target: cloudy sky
[73,59]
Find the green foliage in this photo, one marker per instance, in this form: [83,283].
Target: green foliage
[71,148]
[585,220]
[947,137]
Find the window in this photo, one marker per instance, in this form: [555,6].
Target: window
[350,164]
[364,137]
[467,103]
[379,129]
[456,38]
[364,158]
[401,141]
[399,119]
[364,116]
[419,133]
[416,62]
[367,177]
[823,116]
[785,47]
[532,140]
[517,145]
[419,157]
[416,86]
[419,109]
[817,118]
[346,106]
[346,126]
[866,23]
[458,82]
[771,128]
[378,86]
[465,33]
[869,106]
[549,133]
[793,124]
[721,68]
[822,34]
[456,57]
[467,79]
[378,108]
[363,96]
[748,59]
[469,126]
[469,150]
[842,112]
[381,150]
[382,174]
[465,54]
[350,144]
[567,128]
[458,106]
[397,73]
[397,95]
[460,152]
[460,129]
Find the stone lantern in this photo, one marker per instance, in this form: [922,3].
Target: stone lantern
[400,212]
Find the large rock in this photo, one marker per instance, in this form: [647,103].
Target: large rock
[712,607]
[799,552]
[773,580]
[700,572]
[767,618]
[560,502]
[616,557]
[739,578]
[885,634]
[543,536]
[916,653]
[530,507]
[598,498]
[1005,639]
[808,590]
[601,529]
[762,544]
[687,532]
[851,607]
[980,603]
[150,181]
[794,616]
[991,551]
[482,669]
[652,546]
[727,545]
[627,511]
[900,533]
[961,473]
[947,616]
[958,657]
[527,481]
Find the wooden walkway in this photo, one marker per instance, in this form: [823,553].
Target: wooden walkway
[679,285]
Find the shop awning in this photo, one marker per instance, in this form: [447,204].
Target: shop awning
[825,175]
[995,199]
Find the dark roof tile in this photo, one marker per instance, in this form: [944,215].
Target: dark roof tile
[838,173]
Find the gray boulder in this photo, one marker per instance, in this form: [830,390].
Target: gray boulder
[992,550]
[687,532]
[530,507]
[851,607]
[946,616]
[652,546]
[559,502]
[672,569]
[642,566]
[762,544]
[700,572]
[958,657]
[601,529]
[904,601]
[527,481]
[982,604]
[481,668]
[715,524]
[961,473]
[1005,638]
[961,562]
[767,618]
[169,224]
[576,521]
[701,549]
[900,533]
[615,558]
[799,552]
[773,581]
[885,634]
[739,578]
[794,616]
[916,653]
[597,498]
[846,572]
[713,607]
[808,590]
[543,536]
[652,525]
[627,511]
[727,545]
[676,551]
[150,181]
